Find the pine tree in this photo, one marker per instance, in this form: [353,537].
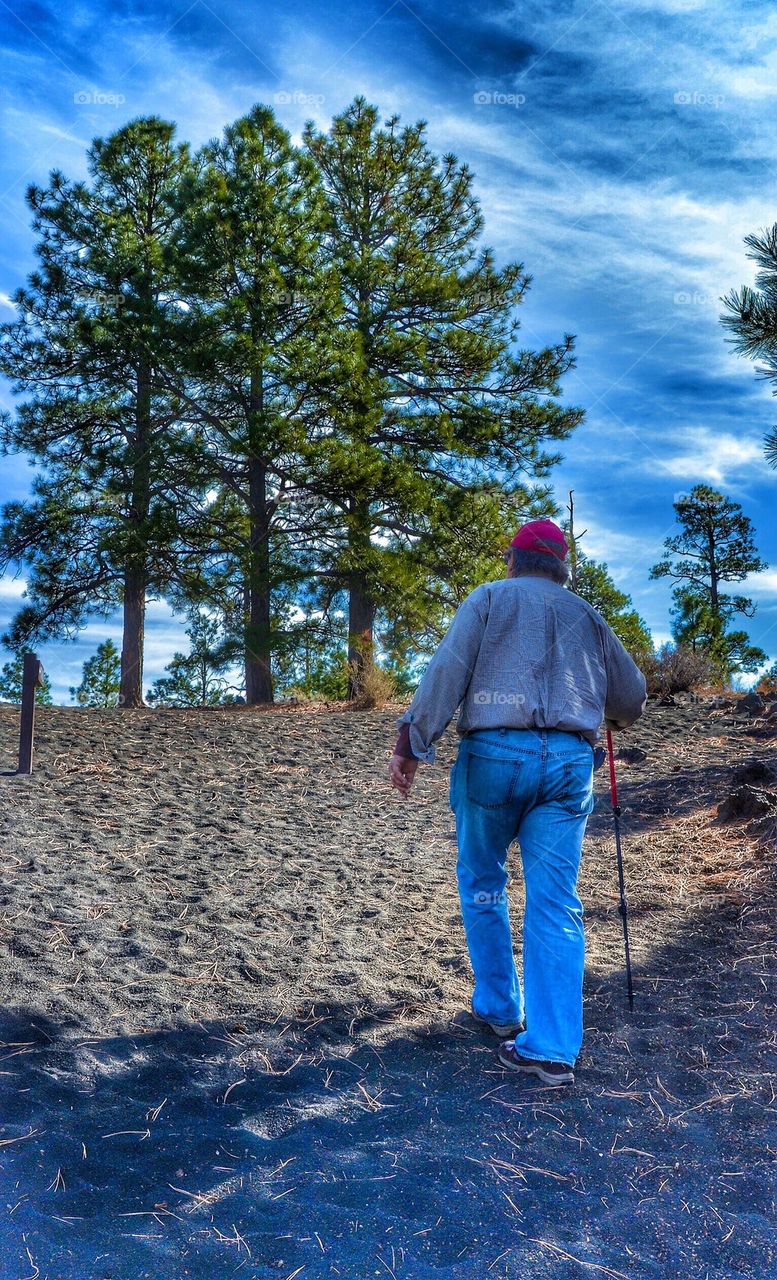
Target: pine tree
[200,678]
[591,580]
[715,545]
[107,525]
[11,678]
[768,681]
[695,627]
[423,460]
[101,678]
[596,586]
[259,308]
[752,318]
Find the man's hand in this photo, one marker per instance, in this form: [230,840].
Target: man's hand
[401,773]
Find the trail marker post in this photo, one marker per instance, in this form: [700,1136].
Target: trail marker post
[32,679]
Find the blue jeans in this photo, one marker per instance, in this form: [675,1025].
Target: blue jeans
[534,786]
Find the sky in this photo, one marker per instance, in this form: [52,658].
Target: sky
[620,152]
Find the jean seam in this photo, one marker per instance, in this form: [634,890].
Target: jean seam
[487,742]
[541,1057]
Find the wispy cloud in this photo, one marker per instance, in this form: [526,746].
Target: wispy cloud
[12,589]
[718,457]
[761,584]
[623,155]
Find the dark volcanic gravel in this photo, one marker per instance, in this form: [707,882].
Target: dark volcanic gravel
[235,1036]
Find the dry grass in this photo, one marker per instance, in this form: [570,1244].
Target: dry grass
[378,686]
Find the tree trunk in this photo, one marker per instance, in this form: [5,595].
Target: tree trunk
[131,680]
[361,607]
[714,576]
[135,568]
[572,544]
[258,629]
[361,617]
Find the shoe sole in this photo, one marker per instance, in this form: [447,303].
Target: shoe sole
[535,1069]
[505,1032]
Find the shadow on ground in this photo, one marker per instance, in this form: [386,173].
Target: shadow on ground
[306,1150]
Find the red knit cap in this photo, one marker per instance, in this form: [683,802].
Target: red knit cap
[541,535]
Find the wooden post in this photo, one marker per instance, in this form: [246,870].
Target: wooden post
[32,678]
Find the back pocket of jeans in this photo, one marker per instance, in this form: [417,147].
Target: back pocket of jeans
[492,781]
[578,797]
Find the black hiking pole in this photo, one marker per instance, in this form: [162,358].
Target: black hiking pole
[623,907]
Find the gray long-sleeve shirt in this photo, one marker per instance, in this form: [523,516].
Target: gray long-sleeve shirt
[525,653]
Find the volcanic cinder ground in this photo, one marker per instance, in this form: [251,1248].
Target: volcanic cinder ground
[235,1036]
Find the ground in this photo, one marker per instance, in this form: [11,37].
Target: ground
[235,1036]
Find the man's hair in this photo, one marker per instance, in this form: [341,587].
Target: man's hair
[539,562]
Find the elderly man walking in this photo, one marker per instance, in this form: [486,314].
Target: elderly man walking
[535,670]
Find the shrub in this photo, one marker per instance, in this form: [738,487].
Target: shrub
[768,682]
[378,686]
[676,669]
[296,693]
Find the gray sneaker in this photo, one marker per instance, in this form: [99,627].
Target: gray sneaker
[498,1028]
[549,1072]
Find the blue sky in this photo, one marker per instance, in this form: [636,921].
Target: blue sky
[621,152]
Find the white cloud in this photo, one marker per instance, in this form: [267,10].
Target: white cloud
[25,124]
[760,584]
[667,6]
[622,552]
[12,588]
[706,455]
[753,35]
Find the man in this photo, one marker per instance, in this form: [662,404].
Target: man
[535,670]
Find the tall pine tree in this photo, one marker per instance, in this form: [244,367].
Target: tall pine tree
[437,436]
[258,328]
[107,525]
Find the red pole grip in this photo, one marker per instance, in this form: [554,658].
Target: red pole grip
[611,763]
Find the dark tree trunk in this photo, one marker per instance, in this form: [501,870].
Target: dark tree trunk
[361,618]
[131,680]
[258,628]
[135,569]
[258,631]
[361,606]
[714,577]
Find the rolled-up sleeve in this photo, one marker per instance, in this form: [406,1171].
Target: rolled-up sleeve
[626,685]
[445,681]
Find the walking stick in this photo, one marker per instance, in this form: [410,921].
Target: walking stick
[623,906]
